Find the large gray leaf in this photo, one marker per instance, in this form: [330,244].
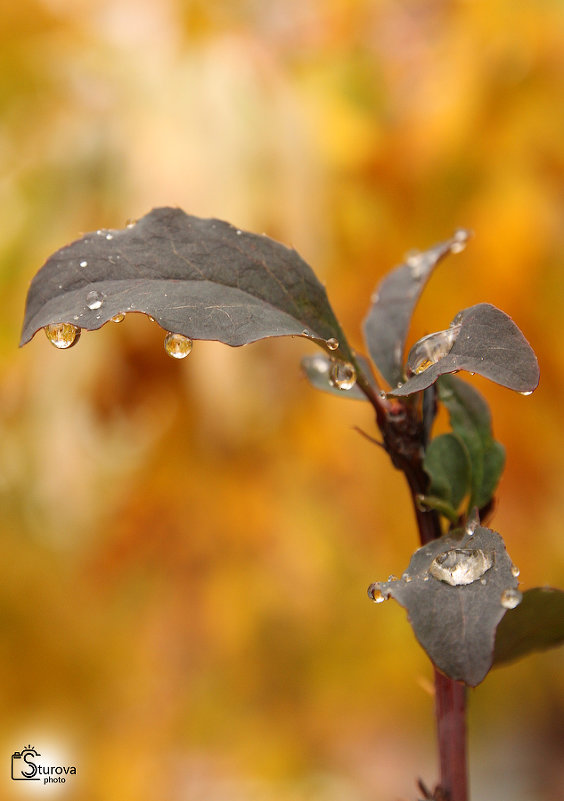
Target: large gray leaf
[481,339]
[387,322]
[204,279]
[456,590]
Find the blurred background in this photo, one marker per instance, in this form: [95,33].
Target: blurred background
[186,546]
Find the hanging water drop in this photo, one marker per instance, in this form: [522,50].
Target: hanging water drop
[529,392]
[332,343]
[515,572]
[342,375]
[461,565]
[94,299]
[177,345]
[62,335]
[118,318]
[109,236]
[511,598]
[430,349]
[375,594]
[460,237]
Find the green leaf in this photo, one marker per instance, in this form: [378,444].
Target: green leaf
[447,465]
[470,419]
[204,279]
[536,624]
[481,339]
[454,590]
[387,322]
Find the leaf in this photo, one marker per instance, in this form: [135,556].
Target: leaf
[536,624]
[471,421]
[481,339]
[447,465]
[204,279]
[455,623]
[317,369]
[387,322]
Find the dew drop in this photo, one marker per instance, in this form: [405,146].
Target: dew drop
[529,392]
[94,299]
[84,263]
[460,237]
[430,349]
[461,565]
[109,236]
[511,598]
[118,318]
[515,572]
[376,594]
[152,319]
[239,232]
[332,343]
[305,333]
[342,375]
[177,345]
[62,335]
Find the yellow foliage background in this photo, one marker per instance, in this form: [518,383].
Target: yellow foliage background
[186,546]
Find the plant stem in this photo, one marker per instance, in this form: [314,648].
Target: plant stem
[450,710]
[404,439]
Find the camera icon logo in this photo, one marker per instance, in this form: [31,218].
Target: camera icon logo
[23,766]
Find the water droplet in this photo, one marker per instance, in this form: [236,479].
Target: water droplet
[239,232]
[84,263]
[460,237]
[62,335]
[529,392]
[342,375]
[511,598]
[130,223]
[461,565]
[332,343]
[515,572]
[375,297]
[431,348]
[100,232]
[376,594]
[305,333]
[152,319]
[109,236]
[483,581]
[118,318]
[94,299]
[177,345]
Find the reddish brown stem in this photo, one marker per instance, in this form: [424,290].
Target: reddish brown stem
[450,709]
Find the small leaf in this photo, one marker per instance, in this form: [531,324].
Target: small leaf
[387,322]
[446,463]
[481,339]
[204,279]
[536,624]
[470,419]
[452,590]
[317,370]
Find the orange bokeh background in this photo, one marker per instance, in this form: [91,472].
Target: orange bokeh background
[186,546]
